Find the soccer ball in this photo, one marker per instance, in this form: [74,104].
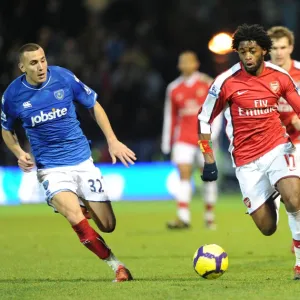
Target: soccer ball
[210,261]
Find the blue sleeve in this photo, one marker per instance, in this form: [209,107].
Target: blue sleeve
[7,113]
[82,93]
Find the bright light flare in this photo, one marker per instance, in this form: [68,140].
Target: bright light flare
[220,43]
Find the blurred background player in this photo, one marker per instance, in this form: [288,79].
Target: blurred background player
[43,99]
[283,45]
[184,97]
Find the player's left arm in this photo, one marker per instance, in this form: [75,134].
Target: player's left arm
[88,98]
[115,147]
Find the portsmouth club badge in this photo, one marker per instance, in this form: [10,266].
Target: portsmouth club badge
[59,94]
[46,184]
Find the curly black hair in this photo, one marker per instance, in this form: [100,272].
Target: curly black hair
[253,32]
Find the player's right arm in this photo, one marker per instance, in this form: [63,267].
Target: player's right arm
[169,122]
[9,136]
[211,108]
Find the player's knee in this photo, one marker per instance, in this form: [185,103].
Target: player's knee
[267,231]
[109,226]
[292,202]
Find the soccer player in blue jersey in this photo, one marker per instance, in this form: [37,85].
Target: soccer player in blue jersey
[43,99]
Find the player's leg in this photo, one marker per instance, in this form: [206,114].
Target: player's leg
[60,189]
[297,157]
[183,156]
[91,188]
[67,204]
[289,189]
[284,173]
[210,195]
[266,216]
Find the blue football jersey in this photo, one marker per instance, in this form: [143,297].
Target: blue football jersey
[48,115]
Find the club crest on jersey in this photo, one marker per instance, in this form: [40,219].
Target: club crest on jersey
[274,85]
[59,94]
[46,184]
[247,202]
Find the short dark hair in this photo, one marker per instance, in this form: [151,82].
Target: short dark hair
[28,47]
[253,32]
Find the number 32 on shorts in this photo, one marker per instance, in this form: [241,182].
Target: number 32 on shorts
[95,185]
[290,161]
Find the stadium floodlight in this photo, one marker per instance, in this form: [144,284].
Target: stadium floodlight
[220,43]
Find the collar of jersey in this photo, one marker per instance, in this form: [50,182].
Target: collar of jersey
[249,75]
[37,87]
[189,81]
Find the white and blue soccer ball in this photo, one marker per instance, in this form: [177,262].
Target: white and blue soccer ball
[210,261]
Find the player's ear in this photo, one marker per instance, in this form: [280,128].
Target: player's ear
[264,51]
[21,67]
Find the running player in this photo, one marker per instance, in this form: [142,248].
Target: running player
[261,150]
[43,99]
[184,97]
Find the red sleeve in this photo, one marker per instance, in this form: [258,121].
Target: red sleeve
[291,93]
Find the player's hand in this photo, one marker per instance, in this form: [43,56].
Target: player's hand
[25,162]
[210,172]
[120,151]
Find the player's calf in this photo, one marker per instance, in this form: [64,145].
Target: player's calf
[102,214]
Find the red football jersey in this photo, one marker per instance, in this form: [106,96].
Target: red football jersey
[253,121]
[285,110]
[184,98]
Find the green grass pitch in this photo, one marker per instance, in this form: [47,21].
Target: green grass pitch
[41,257]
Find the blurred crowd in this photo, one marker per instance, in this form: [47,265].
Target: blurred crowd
[126,50]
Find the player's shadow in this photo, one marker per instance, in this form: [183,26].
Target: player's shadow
[45,280]
[87,280]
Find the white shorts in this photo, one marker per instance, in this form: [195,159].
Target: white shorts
[258,179]
[84,180]
[184,153]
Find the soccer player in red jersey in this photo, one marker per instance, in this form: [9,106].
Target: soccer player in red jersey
[283,45]
[261,150]
[184,97]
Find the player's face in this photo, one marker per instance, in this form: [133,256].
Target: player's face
[188,64]
[34,65]
[251,56]
[281,51]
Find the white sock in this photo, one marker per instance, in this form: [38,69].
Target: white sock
[113,262]
[277,205]
[183,198]
[210,194]
[294,222]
